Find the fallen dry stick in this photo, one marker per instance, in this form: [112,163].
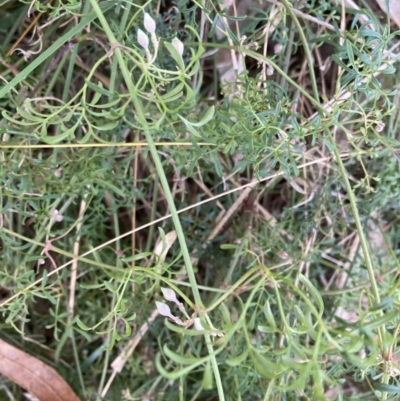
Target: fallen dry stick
[32,374]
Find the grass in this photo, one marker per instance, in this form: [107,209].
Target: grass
[263,211]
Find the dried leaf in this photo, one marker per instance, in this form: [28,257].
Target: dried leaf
[39,379]
[162,247]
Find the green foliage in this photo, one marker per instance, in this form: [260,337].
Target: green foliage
[296,296]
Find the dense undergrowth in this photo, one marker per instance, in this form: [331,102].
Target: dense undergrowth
[268,203]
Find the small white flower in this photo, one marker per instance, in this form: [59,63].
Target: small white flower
[278,48]
[178,46]
[58,172]
[142,38]
[270,71]
[56,215]
[197,324]
[379,126]
[169,295]
[149,23]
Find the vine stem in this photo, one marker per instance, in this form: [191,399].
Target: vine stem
[164,182]
[153,150]
[353,202]
[321,111]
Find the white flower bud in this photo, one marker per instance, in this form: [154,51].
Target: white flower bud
[163,310]
[56,215]
[169,295]
[178,46]
[142,38]
[58,172]
[270,71]
[149,23]
[278,48]
[197,324]
[379,126]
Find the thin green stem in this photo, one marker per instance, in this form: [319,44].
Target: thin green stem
[164,182]
[214,365]
[77,363]
[152,215]
[153,150]
[353,201]
[343,172]
[300,31]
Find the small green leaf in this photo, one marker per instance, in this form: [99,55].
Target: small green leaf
[130,318]
[33,258]
[380,321]
[109,111]
[139,256]
[114,337]
[310,327]
[228,246]
[301,326]
[354,345]
[82,325]
[237,360]
[206,118]
[111,187]
[65,336]
[128,329]
[383,304]
[43,130]
[388,70]
[189,127]
[180,359]
[107,127]
[175,55]
[52,140]
[92,286]
[208,377]
[17,122]
[350,53]
[110,287]
[225,314]
[313,292]
[173,375]
[44,278]
[173,94]
[217,163]
[264,366]
[389,388]
[268,329]
[269,316]
[293,365]
[28,116]
[98,89]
